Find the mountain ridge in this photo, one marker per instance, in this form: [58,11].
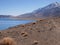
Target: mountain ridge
[50,10]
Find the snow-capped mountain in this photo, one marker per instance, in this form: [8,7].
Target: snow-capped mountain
[51,10]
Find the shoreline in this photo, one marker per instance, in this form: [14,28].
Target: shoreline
[41,32]
[18,25]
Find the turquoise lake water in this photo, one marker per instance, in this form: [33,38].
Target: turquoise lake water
[7,22]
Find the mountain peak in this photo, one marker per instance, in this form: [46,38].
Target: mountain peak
[52,5]
[51,10]
[56,4]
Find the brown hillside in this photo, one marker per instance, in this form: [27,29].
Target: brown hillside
[42,32]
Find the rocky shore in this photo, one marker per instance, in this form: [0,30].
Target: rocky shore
[41,32]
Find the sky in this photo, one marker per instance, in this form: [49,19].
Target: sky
[18,7]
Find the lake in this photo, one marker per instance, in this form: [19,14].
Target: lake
[7,22]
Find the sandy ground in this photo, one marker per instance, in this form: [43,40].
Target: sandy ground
[41,32]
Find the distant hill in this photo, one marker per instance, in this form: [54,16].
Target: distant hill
[5,16]
[52,10]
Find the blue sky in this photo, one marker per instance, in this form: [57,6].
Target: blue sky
[17,7]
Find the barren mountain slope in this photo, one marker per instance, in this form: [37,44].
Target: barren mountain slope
[51,10]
